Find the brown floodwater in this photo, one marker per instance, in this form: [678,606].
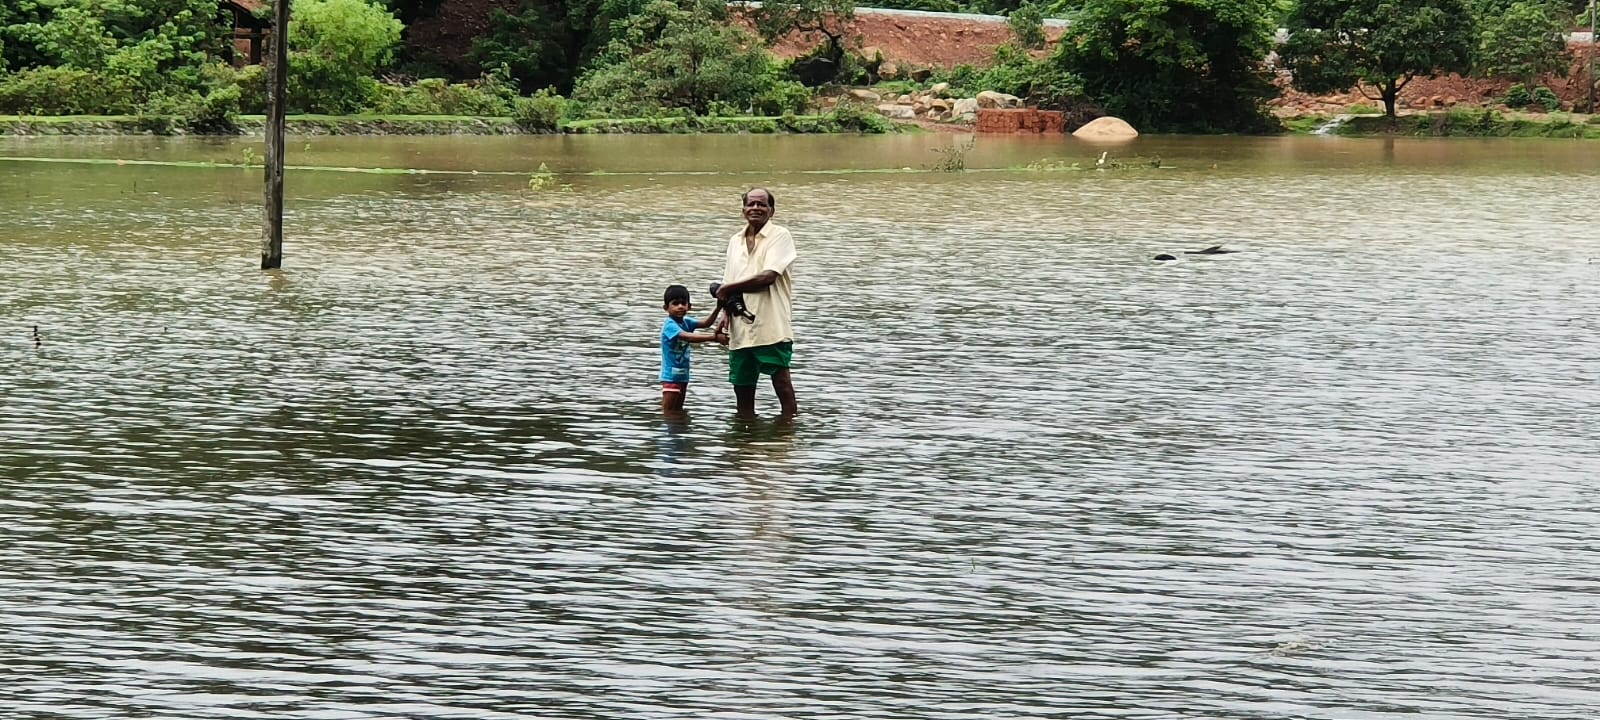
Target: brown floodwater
[1346,472]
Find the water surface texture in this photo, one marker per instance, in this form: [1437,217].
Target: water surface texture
[1347,472]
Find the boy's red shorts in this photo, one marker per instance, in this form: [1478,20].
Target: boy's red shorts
[667,387]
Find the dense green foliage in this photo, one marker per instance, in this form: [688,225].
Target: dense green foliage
[1175,65]
[1522,38]
[1164,65]
[679,54]
[1335,44]
[548,43]
[1027,26]
[335,46]
[134,49]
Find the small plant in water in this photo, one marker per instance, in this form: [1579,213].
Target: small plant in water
[543,179]
[955,156]
[250,157]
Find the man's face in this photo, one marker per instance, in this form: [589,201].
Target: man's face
[757,206]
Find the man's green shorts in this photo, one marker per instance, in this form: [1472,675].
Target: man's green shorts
[747,365]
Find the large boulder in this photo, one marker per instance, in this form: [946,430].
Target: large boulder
[897,112]
[866,96]
[965,109]
[1106,128]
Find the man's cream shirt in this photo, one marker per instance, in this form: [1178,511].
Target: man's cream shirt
[773,305]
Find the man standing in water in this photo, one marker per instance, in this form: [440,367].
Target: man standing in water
[759,258]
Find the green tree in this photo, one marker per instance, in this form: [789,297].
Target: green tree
[547,43]
[677,54]
[335,47]
[1175,65]
[828,18]
[1336,45]
[88,33]
[1027,26]
[74,37]
[148,47]
[1522,39]
[531,42]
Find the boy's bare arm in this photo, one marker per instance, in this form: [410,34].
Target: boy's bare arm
[698,337]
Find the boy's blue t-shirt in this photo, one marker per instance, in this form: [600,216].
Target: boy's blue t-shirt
[675,352]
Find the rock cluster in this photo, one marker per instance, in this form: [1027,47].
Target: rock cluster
[933,103]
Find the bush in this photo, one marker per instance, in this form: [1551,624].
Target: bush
[64,91]
[215,114]
[964,79]
[1517,96]
[489,97]
[1546,98]
[335,47]
[1027,25]
[252,83]
[785,97]
[1038,82]
[392,99]
[677,54]
[158,114]
[318,85]
[850,116]
[540,113]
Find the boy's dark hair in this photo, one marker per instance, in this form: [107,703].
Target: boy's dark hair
[675,292]
[772,200]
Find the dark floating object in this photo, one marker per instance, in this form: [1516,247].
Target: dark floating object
[1164,256]
[38,341]
[1213,250]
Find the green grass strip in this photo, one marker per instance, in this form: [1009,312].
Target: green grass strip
[1043,166]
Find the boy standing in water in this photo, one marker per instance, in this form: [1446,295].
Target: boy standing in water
[676,334]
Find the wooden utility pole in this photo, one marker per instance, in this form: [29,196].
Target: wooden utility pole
[272,239]
[1592,41]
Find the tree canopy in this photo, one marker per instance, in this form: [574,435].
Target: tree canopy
[1522,38]
[677,53]
[1175,65]
[1336,45]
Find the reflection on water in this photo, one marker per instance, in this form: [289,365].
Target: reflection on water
[421,472]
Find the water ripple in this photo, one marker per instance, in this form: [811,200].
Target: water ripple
[1343,473]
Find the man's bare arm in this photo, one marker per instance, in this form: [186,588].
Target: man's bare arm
[758,281]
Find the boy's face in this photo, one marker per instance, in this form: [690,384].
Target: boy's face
[677,309]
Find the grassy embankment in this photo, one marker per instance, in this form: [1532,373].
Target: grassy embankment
[1458,122]
[450,125]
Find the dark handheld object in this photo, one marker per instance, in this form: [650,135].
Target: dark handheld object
[734,304]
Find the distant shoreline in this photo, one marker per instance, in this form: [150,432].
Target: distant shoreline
[1456,122]
[322,125]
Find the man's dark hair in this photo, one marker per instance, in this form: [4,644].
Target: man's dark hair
[675,292]
[772,200]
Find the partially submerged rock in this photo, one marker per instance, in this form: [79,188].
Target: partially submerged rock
[1106,128]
